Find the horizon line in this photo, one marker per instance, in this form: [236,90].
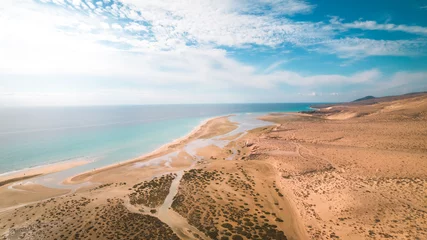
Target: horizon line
[163,104]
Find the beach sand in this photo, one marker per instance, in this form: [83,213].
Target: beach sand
[210,128]
[39,171]
[110,187]
[352,171]
[21,194]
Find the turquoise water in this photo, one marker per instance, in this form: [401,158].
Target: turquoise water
[32,137]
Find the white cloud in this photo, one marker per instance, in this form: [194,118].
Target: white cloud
[310,94]
[416,79]
[363,47]
[280,7]
[275,65]
[402,82]
[77,3]
[296,79]
[373,25]
[116,26]
[354,47]
[135,27]
[228,23]
[104,25]
[239,23]
[399,83]
[179,47]
[52,51]
[90,4]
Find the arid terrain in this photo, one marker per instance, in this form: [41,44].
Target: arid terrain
[348,171]
[355,171]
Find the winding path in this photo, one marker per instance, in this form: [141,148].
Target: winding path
[175,221]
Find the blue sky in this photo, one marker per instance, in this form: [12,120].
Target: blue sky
[112,52]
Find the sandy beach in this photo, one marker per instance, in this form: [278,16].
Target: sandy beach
[209,128]
[350,171]
[39,171]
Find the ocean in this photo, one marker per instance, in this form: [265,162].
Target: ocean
[31,137]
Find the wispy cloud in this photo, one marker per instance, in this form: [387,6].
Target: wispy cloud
[373,25]
[296,79]
[275,7]
[357,48]
[226,23]
[275,65]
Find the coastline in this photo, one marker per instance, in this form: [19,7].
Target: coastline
[45,169]
[289,179]
[162,150]
[41,170]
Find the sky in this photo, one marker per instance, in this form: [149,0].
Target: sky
[117,52]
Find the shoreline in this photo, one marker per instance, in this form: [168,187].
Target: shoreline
[48,168]
[41,170]
[43,165]
[45,169]
[160,151]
